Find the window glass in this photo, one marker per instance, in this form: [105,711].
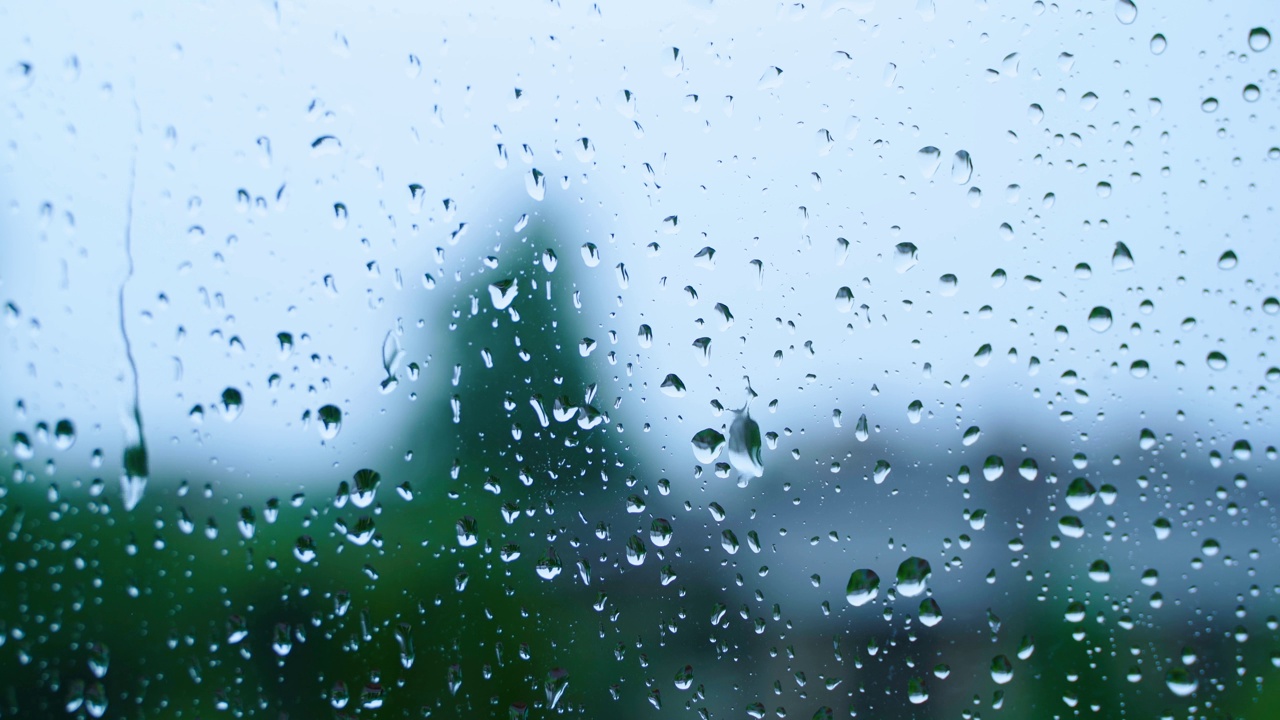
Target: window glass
[848,359]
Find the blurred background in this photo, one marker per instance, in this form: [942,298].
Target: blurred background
[856,359]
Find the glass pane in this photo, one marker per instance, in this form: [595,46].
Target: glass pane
[855,359]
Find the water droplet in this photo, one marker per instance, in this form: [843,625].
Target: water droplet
[729,542]
[772,78]
[930,613]
[1227,261]
[1158,44]
[1181,682]
[467,528]
[1126,11]
[913,576]
[64,434]
[707,445]
[863,587]
[917,693]
[904,256]
[1099,571]
[949,285]
[1080,494]
[503,293]
[861,431]
[1001,669]
[844,300]
[325,145]
[636,550]
[673,386]
[1216,360]
[1209,105]
[1100,319]
[1121,258]
[881,471]
[993,468]
[330,421]
[364,485]
[535,183]
[930,158]
[1259,39]
[684,678]
[961,167]
[1252,93]
[744,445]
[232,403]
[304,549]
[660,532]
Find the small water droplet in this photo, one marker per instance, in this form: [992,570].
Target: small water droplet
[232,403]
[503,292]
[930,158]
[1158,44]
[1121,258]
[1126,11]
[325,145]
[330,421]
[961,167]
